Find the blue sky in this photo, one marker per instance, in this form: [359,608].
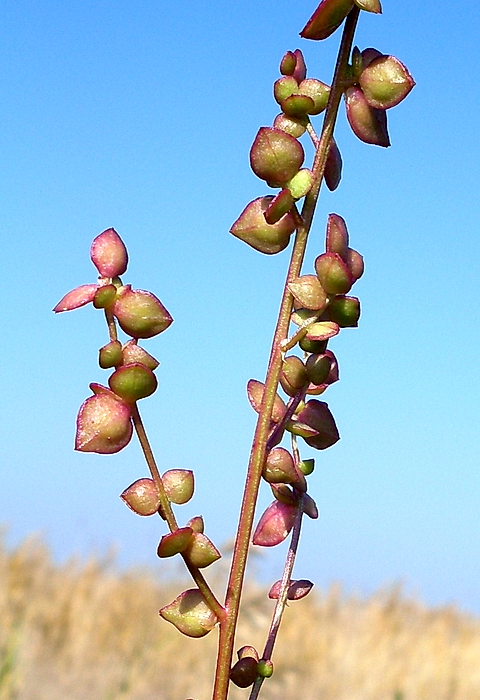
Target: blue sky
[140,115]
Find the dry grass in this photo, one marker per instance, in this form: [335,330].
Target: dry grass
[80,631]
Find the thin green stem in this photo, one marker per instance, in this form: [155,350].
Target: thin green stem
[258,451]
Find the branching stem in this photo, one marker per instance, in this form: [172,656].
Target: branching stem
[258,451]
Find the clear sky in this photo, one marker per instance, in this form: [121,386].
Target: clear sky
[140,115]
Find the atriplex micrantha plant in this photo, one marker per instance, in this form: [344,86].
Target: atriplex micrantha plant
[314,308]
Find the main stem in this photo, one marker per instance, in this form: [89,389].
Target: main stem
[258,451]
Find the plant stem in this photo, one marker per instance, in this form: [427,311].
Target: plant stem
[167,513]
[258,451]
[282,597]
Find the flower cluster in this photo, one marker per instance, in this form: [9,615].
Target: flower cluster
[104,422]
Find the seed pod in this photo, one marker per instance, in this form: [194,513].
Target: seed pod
[355,263]
[308,290]
[293,127]
[296,590]
[133,353]
[279,467]
[368,124]
[337,236]
[323,330]
[300,72]
[142,497]
[103,424]
[318,91]
[175,542]
[201,552]
[140,314]
[133,382]
[385,82]
[190,614]
[318,368]
[293,376]
[275,156]
[244,672]
[333,167]
[252,228]
[109,254]
[333,273]
[275,524]
[317,415]
[255,391]
[326,19]
[179,485]
[309,345]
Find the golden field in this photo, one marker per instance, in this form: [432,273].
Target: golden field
[80,630]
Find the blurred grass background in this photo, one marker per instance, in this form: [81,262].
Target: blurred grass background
[82,630]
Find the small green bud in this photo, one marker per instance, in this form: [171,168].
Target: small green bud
[306,466]
[279,206]
[293,376]
[288,63]
[308,345]
[110,355]
[133,382]
[284,87]
[318,368]
[301,183]
[297,106]
[265,668]
[105,296]
[345,311]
